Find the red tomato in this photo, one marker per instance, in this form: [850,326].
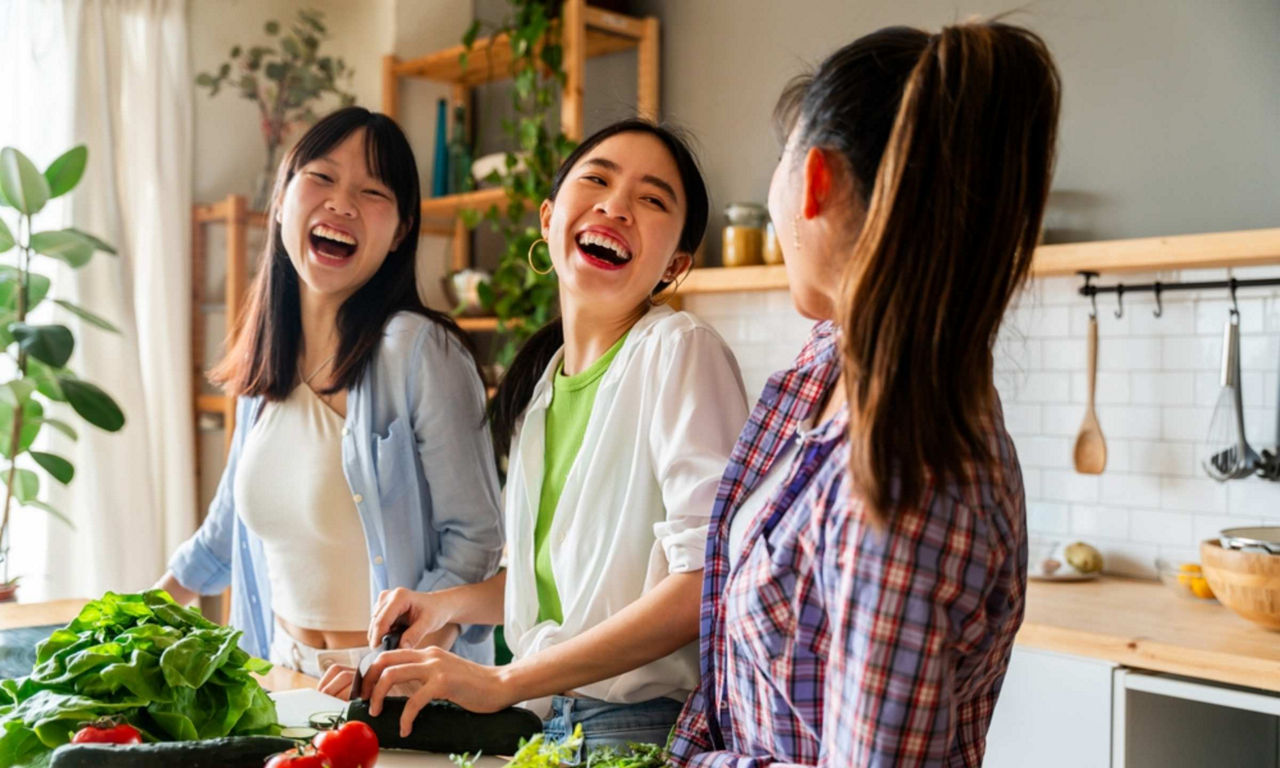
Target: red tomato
[299,758]
[354,745]
[107,731]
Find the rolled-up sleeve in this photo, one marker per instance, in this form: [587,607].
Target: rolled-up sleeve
[202,563]
[700,408]
[457,460]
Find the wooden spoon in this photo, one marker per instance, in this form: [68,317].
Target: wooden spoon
[1091,448]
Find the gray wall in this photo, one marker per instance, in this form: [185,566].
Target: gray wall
[1171,108]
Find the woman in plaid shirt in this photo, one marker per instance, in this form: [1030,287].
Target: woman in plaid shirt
[867,554]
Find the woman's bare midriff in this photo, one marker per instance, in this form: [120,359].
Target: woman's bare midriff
[319,638]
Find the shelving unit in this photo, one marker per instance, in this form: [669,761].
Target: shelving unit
[1244,248]
[586,32]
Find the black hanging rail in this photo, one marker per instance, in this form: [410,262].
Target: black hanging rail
[1091,291]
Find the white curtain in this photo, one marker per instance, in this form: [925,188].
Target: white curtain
[119,73]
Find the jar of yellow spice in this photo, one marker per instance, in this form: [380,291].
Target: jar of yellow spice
[743,239]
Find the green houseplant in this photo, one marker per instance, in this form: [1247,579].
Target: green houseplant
[38,352]
[522,299]
[284,79]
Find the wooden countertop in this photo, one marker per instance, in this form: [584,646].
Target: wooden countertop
[1144,624]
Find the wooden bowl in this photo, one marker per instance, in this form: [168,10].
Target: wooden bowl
[1246,582]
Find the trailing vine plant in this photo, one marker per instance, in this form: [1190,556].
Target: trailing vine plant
[519,297]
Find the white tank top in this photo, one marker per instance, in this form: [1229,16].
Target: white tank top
[291,492]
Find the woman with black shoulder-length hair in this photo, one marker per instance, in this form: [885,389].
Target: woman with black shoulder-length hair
[360,460]
[618,417]
[867,554]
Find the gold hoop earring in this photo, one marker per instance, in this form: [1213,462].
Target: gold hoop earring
[550,268]
[653,299]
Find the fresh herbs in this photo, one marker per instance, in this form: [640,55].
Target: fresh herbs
[540,753]
[145,660]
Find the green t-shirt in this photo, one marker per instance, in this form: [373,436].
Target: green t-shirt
[566,422]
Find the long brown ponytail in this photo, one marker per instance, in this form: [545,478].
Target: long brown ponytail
[953,214]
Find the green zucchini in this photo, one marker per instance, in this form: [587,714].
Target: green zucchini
[445,727]
[228,752]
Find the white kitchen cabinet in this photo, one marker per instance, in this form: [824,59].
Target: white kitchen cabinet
[1054,711]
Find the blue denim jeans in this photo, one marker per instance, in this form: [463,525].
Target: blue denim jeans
[606,724]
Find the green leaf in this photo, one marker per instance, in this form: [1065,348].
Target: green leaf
[204,79]
[62,427]
[94,405]
[26,484]
[52,511]
[86,315]
[272,27]
[469,37]
[24,187]
[32,418]
[58,468]
[63,245]
[46,381]
[17,391]
[235,51]
[6,237]
[96,242]
[64,173]
[50,344]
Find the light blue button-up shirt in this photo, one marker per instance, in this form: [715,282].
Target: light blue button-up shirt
[417,456]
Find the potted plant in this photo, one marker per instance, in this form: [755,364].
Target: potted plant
[522,299]
[284,78]
[39,351]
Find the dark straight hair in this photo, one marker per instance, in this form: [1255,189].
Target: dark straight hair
[516,388]
[950,141]
[262,354]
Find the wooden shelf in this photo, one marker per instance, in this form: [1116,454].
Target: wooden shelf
[606,33]
[1245,248]
[478,323]
[449,206]
[735,279]
[211,404]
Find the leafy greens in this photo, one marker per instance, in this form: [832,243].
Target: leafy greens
[163,668]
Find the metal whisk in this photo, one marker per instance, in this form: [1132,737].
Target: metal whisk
[1229,455]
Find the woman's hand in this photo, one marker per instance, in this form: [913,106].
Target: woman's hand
[440,675]
[425,612]
[337,681]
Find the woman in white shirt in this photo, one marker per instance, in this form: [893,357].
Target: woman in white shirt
[359,461]
[620,418]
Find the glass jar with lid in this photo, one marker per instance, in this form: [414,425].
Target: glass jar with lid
[743,239]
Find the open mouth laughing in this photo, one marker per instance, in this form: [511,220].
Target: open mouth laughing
[332,243]
[602,249]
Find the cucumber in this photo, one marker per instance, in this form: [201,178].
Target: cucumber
[443,726]
[228,752]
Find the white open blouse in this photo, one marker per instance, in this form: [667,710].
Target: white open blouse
[637,501]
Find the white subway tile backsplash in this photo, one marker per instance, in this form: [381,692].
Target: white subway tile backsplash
[1142,422]
[1110,388]
[1128,354]
[1162,388]
[1158,383]
[1188,424]
[1065,485]
[1160,527]
[1193,494]
[1130,490]
[1048,517]
[1092,522]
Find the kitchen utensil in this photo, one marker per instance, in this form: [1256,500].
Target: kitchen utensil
[1246,582]
[1229,454]
[1091,448]
[390,642]
[1264,538]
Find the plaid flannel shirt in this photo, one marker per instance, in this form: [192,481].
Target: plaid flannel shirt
[831,644]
